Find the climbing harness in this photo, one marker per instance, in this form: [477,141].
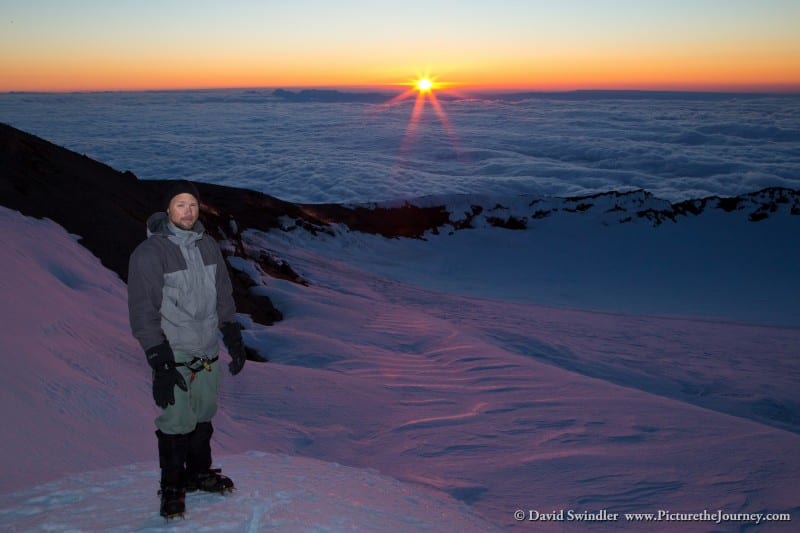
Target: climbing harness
[198,364]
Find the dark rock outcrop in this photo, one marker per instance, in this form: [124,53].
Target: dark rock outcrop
[108,209]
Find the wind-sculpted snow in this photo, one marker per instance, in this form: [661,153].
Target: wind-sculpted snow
[501,405]
[493,400]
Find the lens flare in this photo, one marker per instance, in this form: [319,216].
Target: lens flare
[423,90]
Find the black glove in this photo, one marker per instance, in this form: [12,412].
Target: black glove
[165,375]
[232,337]
[164,380]
[160,355]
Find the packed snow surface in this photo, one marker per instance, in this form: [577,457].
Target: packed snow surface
[422,408]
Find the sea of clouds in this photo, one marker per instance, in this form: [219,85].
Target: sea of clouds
[335,147]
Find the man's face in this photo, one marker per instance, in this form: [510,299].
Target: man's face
[183,211]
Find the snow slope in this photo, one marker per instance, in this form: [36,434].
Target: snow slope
[77,399]
[500,404]
[73,388]
[629,252]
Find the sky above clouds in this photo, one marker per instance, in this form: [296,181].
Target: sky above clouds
[577,44]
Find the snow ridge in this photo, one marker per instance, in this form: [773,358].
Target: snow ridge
[522,212]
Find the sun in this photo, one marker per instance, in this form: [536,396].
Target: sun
[424,85]
[422,90]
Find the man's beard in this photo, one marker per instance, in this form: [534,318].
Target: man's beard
[183,225]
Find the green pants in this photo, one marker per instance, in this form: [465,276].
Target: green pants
[198,404]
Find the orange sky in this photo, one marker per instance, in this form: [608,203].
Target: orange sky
[577,44]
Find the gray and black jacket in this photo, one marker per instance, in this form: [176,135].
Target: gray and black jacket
[178,289]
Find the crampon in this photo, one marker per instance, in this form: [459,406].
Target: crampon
[210,481]
[173,503]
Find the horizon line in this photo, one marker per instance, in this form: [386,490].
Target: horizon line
[355,89]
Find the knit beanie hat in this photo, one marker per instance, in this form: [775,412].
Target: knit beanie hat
[174,188]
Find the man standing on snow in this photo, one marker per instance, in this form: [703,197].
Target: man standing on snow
[179,294]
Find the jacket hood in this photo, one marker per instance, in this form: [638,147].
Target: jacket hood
[158,224]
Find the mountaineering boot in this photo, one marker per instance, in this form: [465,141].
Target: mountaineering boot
[171,458]
[173,502]
[200,475]
[209,481]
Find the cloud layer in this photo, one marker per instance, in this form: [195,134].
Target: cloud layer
[675,145]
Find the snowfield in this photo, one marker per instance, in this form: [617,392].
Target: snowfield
[301,495]
[417,385]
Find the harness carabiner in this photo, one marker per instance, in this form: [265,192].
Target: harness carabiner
[199,363]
